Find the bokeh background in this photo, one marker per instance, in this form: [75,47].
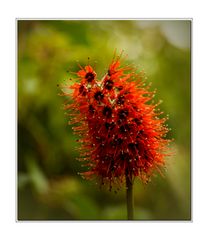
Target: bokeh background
[48,185]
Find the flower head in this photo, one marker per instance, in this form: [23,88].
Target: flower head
[121,133]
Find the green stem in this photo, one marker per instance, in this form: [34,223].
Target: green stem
[129,198]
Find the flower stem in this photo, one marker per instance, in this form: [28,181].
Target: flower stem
[129,197]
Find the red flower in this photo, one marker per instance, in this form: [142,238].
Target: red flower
[87,75]
[121,134]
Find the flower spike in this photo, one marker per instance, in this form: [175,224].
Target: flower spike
[121,133]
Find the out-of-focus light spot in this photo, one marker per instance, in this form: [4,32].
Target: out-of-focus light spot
[30,85]
[143,24]
[177,32]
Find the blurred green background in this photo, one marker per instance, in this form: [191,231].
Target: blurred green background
[48,185]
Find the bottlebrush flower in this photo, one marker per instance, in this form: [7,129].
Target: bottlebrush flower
[121,133]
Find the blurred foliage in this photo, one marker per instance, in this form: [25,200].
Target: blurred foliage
[48,185]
